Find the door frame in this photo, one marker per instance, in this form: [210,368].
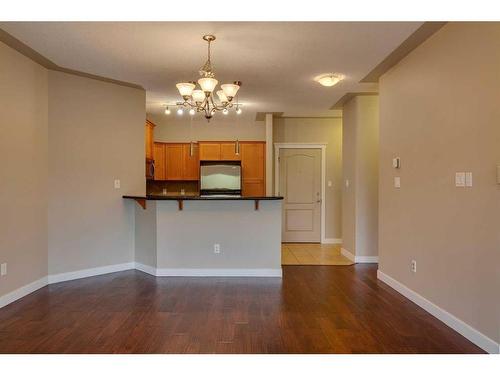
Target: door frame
[322,147]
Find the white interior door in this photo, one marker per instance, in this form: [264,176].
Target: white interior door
[300,186]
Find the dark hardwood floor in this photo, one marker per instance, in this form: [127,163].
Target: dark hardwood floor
[313,309]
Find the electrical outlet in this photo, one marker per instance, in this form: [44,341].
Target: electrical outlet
[3,269]
[216,248]
[413,266]
[117,184]
[397,182]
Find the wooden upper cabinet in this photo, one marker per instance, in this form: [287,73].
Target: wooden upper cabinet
[228,151]
[173,162]
[191,163]
[253,168]
[159,158]
[174,157]
[209,150]
[149,139]
[253,160]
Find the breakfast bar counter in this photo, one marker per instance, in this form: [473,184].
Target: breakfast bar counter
[191,235]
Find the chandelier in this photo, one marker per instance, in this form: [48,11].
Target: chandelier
[202,99]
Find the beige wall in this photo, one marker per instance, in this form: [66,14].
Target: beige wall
[96,135]
[319,130]
[440,112]
[360,168]
[174,129]
[23,171]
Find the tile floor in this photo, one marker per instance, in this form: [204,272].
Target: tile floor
[312,254]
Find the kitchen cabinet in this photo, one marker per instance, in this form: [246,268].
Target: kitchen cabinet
[173,162]
[160,163]
[209,150]
[149,139]
[191,163]
[174,156]
[228,151]
[253,168]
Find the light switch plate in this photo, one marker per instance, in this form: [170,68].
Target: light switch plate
[468,179]
[460,179]
[329,184]
[3,269]
[117,184]
[396,162]
[346,183]
[397,182]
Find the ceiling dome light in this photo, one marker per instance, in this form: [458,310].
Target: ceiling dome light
[192,112]
[167,111]
[329,79]
[180,111]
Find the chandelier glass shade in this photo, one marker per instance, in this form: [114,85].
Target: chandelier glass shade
[200,98]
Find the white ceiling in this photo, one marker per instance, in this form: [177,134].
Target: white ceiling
[276,61]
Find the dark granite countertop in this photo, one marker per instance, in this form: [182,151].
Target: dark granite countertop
[198,197]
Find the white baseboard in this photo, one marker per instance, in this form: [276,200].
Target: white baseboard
[348,255]
[145,268]
[332,240]
[221,272]
[22,291]
[90,272]
[450,320]
[366,259]
[358,258]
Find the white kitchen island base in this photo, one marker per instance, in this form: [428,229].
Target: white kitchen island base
[170,241]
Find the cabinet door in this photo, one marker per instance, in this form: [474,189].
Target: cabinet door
[209,151]
[253,168]
[159,158]
[252,160]
[253,188]
[149,139]
[228,151]
[191,163]
[174,161]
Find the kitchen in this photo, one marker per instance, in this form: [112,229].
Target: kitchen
[206,212]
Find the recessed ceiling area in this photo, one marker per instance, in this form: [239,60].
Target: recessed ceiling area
[276,61]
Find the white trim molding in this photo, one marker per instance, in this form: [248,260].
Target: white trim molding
[145,268]
[22,291]
[447,318]
[322,147]
[332,240]
[358,258]
[80,274]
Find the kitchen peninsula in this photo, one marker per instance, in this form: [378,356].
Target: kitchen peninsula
[208,236]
